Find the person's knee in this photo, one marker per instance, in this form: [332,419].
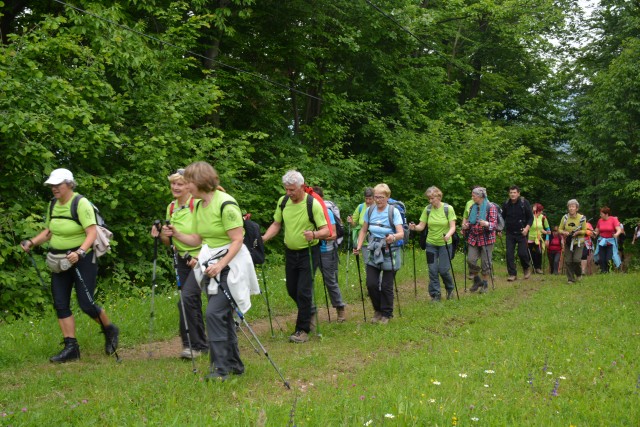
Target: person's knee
[63,313]
[90,309]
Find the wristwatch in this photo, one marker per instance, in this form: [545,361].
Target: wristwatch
[81,252]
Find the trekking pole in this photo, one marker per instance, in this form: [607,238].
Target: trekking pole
[415,280]
[489,260]
[33,261]
[234,306]
[531,259]
[364,312]
[324,286]
[313,291]
[184,312]
[465,250]
[455,284]
[152,314]
[395,284]
[92,302]
[349,249]
[266,297]
[246,336]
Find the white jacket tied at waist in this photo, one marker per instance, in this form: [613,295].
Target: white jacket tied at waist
[241,280]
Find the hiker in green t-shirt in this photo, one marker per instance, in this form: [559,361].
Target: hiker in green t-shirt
[356,219]
[296,210]
[72,262]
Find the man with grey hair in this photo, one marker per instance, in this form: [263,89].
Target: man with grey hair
[573,227]
[306,226]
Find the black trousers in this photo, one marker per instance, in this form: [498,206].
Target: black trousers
[520,241]
[299,275]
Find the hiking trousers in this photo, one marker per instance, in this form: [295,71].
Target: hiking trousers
[439,264]
[329,269]
[380,288]
[514,240]
[299,277]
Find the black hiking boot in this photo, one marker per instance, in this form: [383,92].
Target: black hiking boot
[71,351]
[477,283]
[111,334]
[485,287]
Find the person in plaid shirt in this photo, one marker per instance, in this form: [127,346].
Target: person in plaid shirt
[481,236]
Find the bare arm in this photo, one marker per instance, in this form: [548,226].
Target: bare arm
[272,231]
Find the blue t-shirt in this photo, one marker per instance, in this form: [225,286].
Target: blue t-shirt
[379,226]
[327,246]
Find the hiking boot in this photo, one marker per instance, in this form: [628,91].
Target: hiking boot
[450,294]
[383,320]
[485,287]
[111,334]
[435,298]
[512,278]
[71,351]
[477,283]
[539,271]
[299,337]
[186,353]
[341,314]
[376,317]
[527,273]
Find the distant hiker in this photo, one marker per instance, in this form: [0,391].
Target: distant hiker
[180,214]
[636,234]
[608,230]
[440,220]
[573,227]
[518,218]
[383,222]
[72,263]
[356,219]
[223,262]
[538,237]
[329,263]
[554,250]
[481,237]
[587,251]
[304,226]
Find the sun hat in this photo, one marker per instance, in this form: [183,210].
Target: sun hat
[58,176]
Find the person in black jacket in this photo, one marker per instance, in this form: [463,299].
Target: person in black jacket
[518,218]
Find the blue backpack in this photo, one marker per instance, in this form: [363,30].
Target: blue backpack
[395,204]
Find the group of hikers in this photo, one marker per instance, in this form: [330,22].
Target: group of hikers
[205,228]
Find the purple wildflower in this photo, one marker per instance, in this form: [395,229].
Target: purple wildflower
[530,380]
[24,409]
[544,368]
[554,392]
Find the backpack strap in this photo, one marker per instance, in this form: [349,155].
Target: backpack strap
[228,202]
[391,208]
[74,209]
[285,199]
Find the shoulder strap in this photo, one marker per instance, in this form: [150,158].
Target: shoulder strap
[74,208]
[391,208]
[565,218]
[310,210]
[360,208]
[369,212]
[172,205]
[228,202]
[191,202]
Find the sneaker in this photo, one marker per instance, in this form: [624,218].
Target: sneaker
[512,278]
[299,337]
[216,376]
[383,320]
[570,282]
[186,353]
[477,283]
[341,314]
[111,334]
[527,273]
[376,317]
[539,271]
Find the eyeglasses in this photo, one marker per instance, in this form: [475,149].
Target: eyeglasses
[379,197]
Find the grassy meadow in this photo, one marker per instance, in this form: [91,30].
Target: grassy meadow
[538,352]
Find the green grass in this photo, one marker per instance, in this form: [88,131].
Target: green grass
[486,360]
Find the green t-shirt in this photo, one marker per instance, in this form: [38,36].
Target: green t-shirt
[296,222]
[539,225]
[438,223]
[212,224]
[467,209]
[183,220]
[358,218]
[66,233]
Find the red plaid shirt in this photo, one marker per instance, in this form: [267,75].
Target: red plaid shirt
[480,236]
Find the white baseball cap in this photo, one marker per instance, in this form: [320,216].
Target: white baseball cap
[58,176]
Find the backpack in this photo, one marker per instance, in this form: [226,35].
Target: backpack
[455,239]
[252,236]
[173,205]
[339,225]
[395,204]
[500,225]
[102,244]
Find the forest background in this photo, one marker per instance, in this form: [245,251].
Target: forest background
[452,93]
